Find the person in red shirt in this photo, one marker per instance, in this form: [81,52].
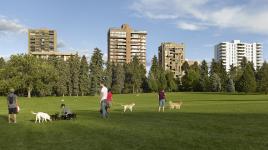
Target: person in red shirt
[109,99]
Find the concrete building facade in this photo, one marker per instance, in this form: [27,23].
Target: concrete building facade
[42,43]
[232,53]
[171,57]
[42,40]
[124,43]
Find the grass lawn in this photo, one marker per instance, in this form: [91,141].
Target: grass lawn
[206,122]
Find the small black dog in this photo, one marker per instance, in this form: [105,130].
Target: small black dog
[55,117]
[68,116]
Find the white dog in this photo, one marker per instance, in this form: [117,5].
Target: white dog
[129,106]
[173,105]
[41,116]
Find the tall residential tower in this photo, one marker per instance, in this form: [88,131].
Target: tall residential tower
[171,57]
[231,53]
[124,43]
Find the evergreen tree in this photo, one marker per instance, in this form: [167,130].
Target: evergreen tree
[154,75]
[204,79]
[262,78]
[74,63]
[185,66]
[108,73]
[247,82]
[84,76]
[96,71]
[171,83]
[230,85]
[118,78]
[215,83]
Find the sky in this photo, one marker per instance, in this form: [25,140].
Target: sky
[82,25]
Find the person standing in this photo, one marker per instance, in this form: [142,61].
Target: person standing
[103,99]
[162,99]
[12,105]
[109,99]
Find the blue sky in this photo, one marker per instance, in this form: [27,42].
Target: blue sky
[82,25]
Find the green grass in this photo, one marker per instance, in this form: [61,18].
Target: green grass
[206,122]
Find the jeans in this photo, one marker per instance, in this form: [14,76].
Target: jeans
[103,109]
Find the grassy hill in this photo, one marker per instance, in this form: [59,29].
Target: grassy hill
[206,122]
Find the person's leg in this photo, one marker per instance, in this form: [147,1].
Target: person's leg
[9,118]
[103,109]
[15,118]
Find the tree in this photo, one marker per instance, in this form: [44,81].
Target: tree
[204,79]
[74,63]
[118,78]
[63,76]
[171,84]
[154,75]
[247,82]
[185,66]
[215,83]
[96,71]
[262,78]
[230,85]
[108,74]
[84,76]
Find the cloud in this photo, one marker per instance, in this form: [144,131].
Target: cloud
[8,25]
[189,26]
[245,16]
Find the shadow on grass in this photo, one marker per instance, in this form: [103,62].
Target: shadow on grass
[171,130]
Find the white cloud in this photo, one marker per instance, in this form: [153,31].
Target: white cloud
[248,16]
[8,25]
[189,26]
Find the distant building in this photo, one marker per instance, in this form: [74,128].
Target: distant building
[124,43]
[42,43]
[42,40]
[46,55]
[231,53]
[171,57]
[191,62]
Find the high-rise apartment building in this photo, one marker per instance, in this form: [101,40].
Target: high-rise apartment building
[124,43]
[231,53]
[171,57]
[42,43]
[42,40]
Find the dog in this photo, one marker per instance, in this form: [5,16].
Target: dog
[55,117]
[41,117]
[68,116]
[129,106]
[173,105]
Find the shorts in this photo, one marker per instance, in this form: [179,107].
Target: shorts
[162,103]
[12,111]
[109,104]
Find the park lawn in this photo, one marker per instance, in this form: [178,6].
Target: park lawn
[206,121]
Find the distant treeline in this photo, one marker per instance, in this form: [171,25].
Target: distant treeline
[31,76]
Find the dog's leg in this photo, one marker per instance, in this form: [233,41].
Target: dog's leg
[125,109]
[130,109]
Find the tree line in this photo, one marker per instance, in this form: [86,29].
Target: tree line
[32,76]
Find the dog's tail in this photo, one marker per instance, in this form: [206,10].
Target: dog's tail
[33,112]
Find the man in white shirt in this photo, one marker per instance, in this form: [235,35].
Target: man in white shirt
[103,94]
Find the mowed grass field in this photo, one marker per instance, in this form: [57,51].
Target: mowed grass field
[206,121]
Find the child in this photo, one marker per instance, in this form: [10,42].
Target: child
[109,99]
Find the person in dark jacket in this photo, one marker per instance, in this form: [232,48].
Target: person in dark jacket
[12,105]
[162,100]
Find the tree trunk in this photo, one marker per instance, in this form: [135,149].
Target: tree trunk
[29,92]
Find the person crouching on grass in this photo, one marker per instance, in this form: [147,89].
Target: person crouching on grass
[12,104]
[162,99]
[109,100]
[103,99]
